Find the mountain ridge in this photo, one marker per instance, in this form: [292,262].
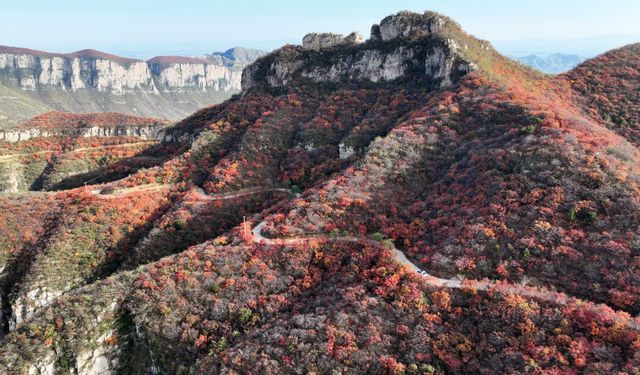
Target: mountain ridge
[265,238]
[93,81]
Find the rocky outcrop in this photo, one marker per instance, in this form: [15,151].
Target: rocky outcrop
[407,24]
[23,308]
[316,42]
[180,74]
[404,45]
[19,135]
[98,356]
[145,132]
[100,359]
[11,177]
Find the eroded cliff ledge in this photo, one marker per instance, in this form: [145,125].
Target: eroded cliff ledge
[171,87]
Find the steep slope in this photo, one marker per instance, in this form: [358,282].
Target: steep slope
[57,150]
[609,89]
[93,81]
[362,207]
[17,107]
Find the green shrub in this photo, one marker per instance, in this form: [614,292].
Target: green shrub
[214,288]
[245,315]
[180,224]
[529,129]
[388,243]
[377,236]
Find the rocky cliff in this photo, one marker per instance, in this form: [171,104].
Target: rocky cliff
[144,132]
[86,125]
[90,81]
[404,45]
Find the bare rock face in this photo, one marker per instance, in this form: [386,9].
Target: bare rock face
[19,135]
[376,35]
[145,132]
[24,307]
[30,71]
[354,39]
[316,42]
[171,87]
[407,24]
[403,45]
[44,366]
[186,74]
[99,356]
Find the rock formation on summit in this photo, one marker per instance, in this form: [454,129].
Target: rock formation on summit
[428,54]
[316,42]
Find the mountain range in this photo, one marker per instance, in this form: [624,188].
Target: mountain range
[553,64]
[33,82]
[413,203]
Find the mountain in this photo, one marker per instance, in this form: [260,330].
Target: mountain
[238,55]
[412,203]
[553,64]
[609,88]
[93,81]
[587,46]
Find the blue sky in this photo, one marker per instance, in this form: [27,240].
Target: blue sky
[142,28]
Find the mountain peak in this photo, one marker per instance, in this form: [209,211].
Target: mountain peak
[318,41]
[429,47]
[409,25]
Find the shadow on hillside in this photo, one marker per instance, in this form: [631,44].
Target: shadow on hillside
[18,265]
[191,223]
[152,156]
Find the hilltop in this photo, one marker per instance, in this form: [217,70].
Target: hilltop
[410,203]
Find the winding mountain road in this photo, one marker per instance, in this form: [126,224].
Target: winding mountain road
[123,192]
[238,194]
[481,285]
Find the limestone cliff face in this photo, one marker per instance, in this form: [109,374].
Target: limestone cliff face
[30,70]
[91,81]
[178,75]
[403,45]
[316,42]
[144,132]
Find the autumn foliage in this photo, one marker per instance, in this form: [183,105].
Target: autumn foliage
[508,178]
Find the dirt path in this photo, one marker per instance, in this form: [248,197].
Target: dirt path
[237,194]
[120,193]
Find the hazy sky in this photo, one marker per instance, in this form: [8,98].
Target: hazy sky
[149,27]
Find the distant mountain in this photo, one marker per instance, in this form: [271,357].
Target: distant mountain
[588,47]
[553,64]
[239,55]
[92,81]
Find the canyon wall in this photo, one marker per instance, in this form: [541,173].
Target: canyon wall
[171,87]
